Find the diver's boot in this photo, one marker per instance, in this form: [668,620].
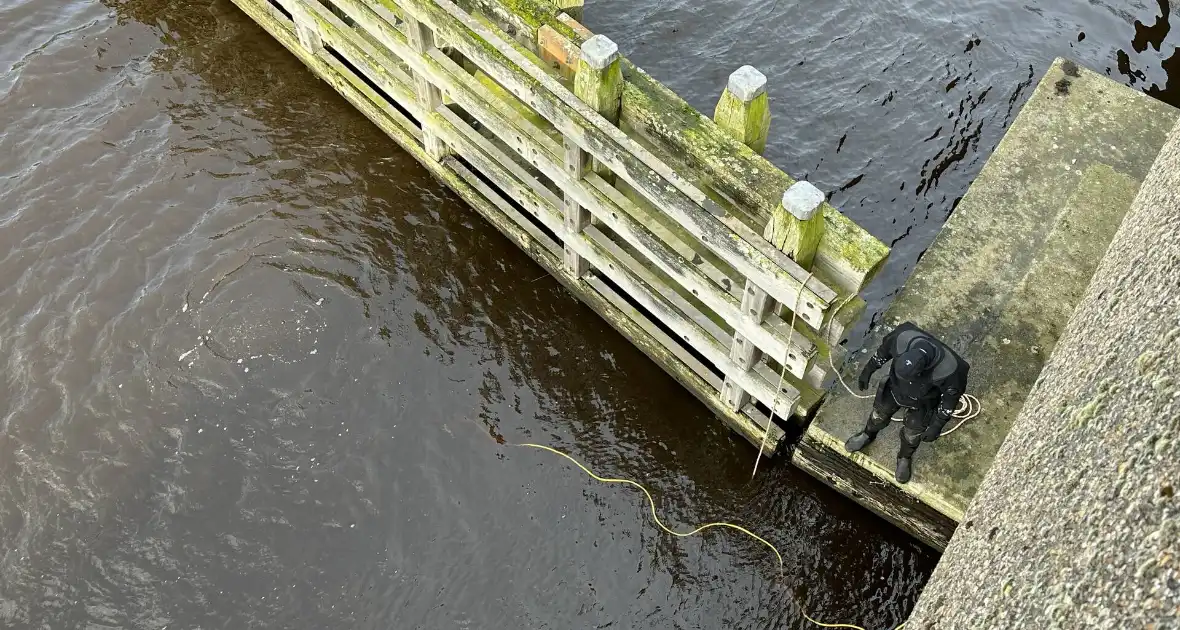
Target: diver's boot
[904,470]
[859,441]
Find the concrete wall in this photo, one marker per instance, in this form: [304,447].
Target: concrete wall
[1077,525]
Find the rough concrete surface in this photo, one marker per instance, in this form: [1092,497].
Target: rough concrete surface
[1001,279]
[1077,525]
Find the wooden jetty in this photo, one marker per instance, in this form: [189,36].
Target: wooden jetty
[732,276]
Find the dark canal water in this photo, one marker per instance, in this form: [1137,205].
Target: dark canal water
[253,354]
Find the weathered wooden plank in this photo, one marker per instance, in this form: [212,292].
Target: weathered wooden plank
[749,424]
[504,61]
[516,132]
[400,92]
[596,248]
[832,467]
[655,331]
[391,79]
[502,204]
[370,21]
[558,51]
[623,320]
[848,255]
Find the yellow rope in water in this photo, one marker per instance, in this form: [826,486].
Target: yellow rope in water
[969,408]
[651,502]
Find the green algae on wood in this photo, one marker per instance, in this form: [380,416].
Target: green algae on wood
[626,320]
[847,255]
[797,225]
[743,111]
[504,61]
[599,83]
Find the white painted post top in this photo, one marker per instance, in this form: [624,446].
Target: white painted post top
[599,51]
[746,83]
[802,200]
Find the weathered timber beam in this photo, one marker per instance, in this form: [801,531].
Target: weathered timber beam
[848,255]
[794,350]
[624,319]
[506,63]
[592,245]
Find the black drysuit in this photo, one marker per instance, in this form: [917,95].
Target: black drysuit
[930,396]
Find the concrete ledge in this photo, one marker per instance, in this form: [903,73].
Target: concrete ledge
[1001,279]
[1077,525]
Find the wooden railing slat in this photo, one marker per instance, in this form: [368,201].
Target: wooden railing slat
[606,260]
[500,59]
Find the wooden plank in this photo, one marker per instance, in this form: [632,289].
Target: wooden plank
[502,204]
[589,245]
[848,256]
[557,50]
[375,20]
[391,80]
[391,112]
[525,139]
[362,97]
[840,473]
[643,321]
[749,424]
[629,161]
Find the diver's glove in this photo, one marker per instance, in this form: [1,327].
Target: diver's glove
[874,364]
[934,430]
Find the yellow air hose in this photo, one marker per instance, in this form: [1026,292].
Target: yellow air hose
[695,531]
[969,407]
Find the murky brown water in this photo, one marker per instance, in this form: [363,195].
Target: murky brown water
[254,353]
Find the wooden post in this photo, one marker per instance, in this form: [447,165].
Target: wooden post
[598,83]
[572,8]
[743,110]
[797,225]
[429,96]
[306,29]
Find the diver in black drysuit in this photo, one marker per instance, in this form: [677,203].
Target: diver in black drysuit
[927,378]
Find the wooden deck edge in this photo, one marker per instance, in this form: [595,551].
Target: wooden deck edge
[261,13]
[871,489]
[914,488]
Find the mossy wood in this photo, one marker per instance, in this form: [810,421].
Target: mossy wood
[848,257]
[535,137]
